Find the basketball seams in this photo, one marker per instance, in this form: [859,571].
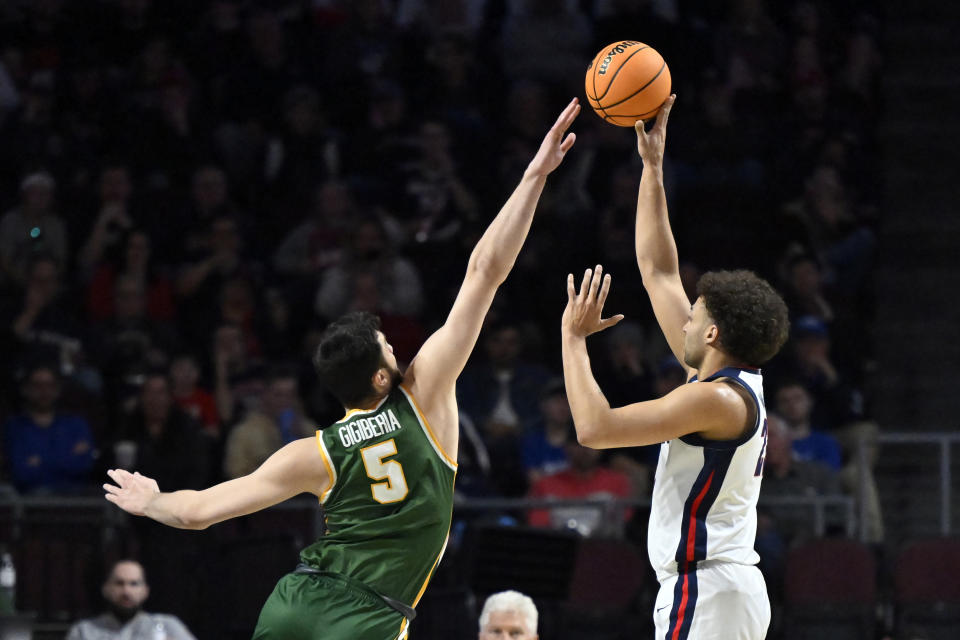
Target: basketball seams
[640,90]
[594,74]
[614,76]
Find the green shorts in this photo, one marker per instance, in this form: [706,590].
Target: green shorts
[312,607]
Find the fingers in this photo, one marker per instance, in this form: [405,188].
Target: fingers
[664,114]
[566,117]
[109,488]
[609,322]
[568,142]
[604,290]
[571,290]
[585,283]
[595,282]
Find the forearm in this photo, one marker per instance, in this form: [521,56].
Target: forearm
[177,509]
[500,244]
[588,405]
[656,248]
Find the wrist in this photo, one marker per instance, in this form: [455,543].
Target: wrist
[534,175]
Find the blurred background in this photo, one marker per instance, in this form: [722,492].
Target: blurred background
[190,190]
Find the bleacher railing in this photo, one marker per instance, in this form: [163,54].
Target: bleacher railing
[824,510]
[943,442]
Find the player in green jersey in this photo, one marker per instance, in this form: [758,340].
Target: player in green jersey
[385,472]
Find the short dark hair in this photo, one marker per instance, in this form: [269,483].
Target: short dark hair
[347,357]
[751,315]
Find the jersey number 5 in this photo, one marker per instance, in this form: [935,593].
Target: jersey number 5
[395,487]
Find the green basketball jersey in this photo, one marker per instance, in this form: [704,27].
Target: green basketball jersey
[390,501]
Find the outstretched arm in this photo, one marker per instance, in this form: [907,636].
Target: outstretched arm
[656,249]
[716,411]
[294,469]
[434,371]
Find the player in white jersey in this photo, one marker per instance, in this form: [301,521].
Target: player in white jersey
[703,518]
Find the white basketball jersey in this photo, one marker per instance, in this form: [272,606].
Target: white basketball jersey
[705,492]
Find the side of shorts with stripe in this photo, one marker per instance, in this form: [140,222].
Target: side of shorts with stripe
[723,601]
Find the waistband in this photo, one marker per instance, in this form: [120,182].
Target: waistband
[406,611]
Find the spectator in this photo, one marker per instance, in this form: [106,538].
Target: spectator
[809,443]
[236,385]
[804,288]
[544,444]
[134,259]
[169,446]
[201,280]
[318,242]
[209,199]
[501,394]
[277,422]
[508,615]
[391,284]
[114,217]
[44,325]
[125,591]
[190,396]
[808,359]
[584,478]
[32,228]
[624,375]
[46,450]
[129,342]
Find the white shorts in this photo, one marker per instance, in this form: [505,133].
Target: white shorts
[718,601]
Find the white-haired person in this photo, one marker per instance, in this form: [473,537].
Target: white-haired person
[508,615]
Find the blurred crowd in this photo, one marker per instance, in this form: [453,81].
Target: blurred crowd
[190,190]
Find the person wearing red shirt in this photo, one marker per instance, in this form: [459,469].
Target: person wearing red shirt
[584,478]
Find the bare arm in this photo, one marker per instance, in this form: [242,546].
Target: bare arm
[294,469]
[715,411]
[434,371]
[656,248]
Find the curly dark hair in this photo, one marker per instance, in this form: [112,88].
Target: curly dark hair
[348,356]
[751,315]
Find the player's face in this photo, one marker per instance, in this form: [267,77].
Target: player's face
[694,342]
[506,625]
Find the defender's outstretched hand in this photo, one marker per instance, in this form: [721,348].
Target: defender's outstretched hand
[554,146]
[582,315]
[650,144]
[132,493]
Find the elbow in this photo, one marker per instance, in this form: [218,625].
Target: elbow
[482,266]
[587,437]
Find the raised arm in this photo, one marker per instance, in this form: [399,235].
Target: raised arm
[434,371]
[714,410]
[296,468]
[656,248]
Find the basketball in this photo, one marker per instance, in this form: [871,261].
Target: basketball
[627,81]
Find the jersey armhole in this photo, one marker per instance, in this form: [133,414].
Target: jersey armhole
[427,431]
[328,463]
[697,440]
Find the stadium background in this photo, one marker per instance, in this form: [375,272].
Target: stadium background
[283,162]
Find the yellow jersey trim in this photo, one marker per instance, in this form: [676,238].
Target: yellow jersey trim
[351,412]
[425,425]
[328,463]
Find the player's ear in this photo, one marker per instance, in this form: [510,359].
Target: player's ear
[712,335]
[381,378]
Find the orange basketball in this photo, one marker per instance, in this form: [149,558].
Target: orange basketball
[627,81]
